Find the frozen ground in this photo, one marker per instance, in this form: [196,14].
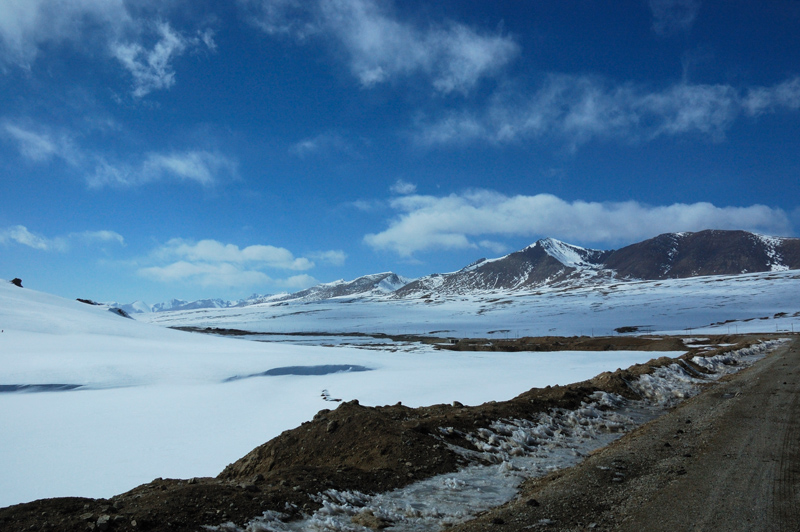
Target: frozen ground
[94,404]
[759,302]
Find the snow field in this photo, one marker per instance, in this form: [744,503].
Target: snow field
[758,302]
[153,402]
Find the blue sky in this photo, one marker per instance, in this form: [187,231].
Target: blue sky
[191,149]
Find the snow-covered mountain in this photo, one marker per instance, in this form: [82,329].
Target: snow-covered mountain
[368,285]
[376,284]
[546,262]
[140,307]
[550,262]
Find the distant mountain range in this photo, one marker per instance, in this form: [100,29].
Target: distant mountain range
[550,262]
[376,284]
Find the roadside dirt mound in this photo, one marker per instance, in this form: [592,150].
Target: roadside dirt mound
[352,447]
[369,449]
[575,343]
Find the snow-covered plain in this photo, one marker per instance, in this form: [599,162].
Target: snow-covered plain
[155,402]
[699,305]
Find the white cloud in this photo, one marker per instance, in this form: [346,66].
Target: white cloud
[91,237]
[206,275]
[333,257]
[281,17]
[329,142]
[213,263]
[457,220]
[671,16]
[142,43]
[152,68]
[21,235]
[367,205]
[403,187]
[380,47]
[763,99]
[27,25]
[297,282]
[576,109]
[40,145]
[199,166]
[214,251]
[494,247]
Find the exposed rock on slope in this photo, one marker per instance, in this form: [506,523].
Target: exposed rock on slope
[678,255]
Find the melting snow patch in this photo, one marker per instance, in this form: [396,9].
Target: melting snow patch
[733,361]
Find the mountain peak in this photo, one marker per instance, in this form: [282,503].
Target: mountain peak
[570,255]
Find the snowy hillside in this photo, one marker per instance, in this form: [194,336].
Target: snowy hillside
[754,302]
[92,404]
[369,285]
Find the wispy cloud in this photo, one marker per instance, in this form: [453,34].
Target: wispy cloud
[26,26]
[463,221]
[577,109]
[91,237]
[137,38]
[152,68]
[325,143]
[671,16]
[380,47]
[199,166]
[213,263]
[403,187]
[41,144]
[20,234]
[333,257]
[38,144]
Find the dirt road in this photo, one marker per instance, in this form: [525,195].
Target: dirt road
[728,459]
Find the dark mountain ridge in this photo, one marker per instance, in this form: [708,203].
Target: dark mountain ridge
[550,262]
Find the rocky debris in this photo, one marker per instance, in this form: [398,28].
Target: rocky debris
[569,343]
[120,312]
